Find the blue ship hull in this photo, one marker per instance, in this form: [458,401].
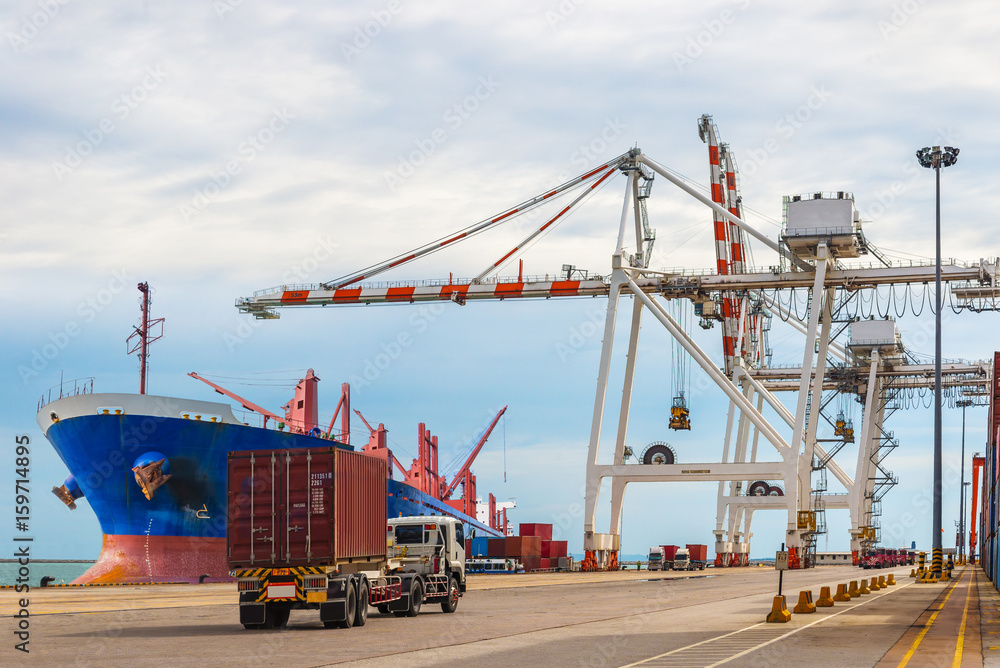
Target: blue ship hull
[187,514]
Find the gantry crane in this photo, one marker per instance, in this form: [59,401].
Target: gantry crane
[807,260]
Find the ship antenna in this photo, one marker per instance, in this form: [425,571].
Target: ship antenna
[144,336]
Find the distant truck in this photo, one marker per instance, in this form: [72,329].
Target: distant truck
[307,529]
[655,559]
[690,558]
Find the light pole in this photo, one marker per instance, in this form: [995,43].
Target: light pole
[936,158]
[963,404]
[964,531]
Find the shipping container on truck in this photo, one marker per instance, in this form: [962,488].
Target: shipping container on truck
[668,556]
[307,529]
[698,555]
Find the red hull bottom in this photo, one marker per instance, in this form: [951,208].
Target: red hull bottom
[158,559]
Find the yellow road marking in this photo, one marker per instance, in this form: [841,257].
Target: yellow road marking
[957,661]
[927,627]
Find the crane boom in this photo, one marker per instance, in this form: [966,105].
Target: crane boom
[437,245]
[246,403]
[475,452]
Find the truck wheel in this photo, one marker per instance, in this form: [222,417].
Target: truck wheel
[450,603]
[352,608]
[281,618]
[361,616]
[383,609]
[416,599]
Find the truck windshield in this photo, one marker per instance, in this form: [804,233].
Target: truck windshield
[410,535]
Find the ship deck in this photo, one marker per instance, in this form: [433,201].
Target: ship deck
[707,618]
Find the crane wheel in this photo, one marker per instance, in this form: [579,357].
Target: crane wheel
[658,453]
[759,488]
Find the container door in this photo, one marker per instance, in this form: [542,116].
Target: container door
[308,535]
[253,506]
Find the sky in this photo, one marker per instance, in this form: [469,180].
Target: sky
[220,147]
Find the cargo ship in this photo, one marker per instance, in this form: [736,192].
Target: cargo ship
[153,469]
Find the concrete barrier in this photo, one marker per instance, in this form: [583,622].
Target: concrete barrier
[873,585]
[824,600]
[854,592]
[863,589]
[881,582]
[779,611]
[842,594]
[891,580]
[805,604]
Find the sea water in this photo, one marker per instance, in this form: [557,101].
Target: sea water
[64,572]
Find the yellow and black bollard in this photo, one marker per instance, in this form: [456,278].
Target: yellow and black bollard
[937,561]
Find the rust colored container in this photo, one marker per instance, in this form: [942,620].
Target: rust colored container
[496,548]
[531,563]
[545,563]
[543,531]
[531,546]
[669,552]
[512,546]
[698,552]
[308,506]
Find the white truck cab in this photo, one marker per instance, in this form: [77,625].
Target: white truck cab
[682,559]
[429,545]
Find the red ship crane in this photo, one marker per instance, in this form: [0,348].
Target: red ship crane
[145,336]
[301,413]
[459,477]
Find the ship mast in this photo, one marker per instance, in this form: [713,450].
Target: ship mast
[144,336]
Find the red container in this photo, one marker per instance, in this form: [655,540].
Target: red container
[669,551]
[547,549]
[531,563]
[543,531]
[557,548]
[545,564]
[697,552]
[315,505]
[496,548]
